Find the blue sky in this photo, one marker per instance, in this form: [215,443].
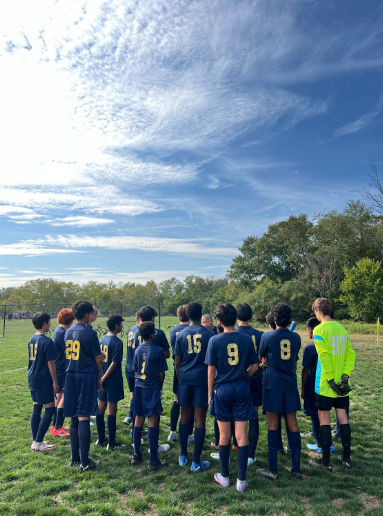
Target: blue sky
[144,140]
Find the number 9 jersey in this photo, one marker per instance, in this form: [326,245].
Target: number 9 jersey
[281,348]
[81,346]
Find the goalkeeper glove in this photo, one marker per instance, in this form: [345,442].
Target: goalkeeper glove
[341,389]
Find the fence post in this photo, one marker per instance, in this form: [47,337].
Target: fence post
[121,309]
[5,310]
[159,315]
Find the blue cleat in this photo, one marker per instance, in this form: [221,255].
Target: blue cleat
[314,447]
[128,420]
[191,439]
[204,464]
[182,460]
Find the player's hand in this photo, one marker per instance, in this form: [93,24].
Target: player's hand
[264,362]
[344,386]
[99,386]
[209,401]
[335,387]
[55,388]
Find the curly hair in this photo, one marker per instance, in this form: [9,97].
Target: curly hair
[65,316]
[146,313]
[270,320]
[282,314]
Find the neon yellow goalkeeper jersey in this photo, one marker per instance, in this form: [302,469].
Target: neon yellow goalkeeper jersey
[335,356]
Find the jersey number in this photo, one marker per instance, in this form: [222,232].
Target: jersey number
[336,342]
[143,375]
[32,351]
[72,350]
[232,351]
[104,349]
[194,343]
[131,343]
[285,349]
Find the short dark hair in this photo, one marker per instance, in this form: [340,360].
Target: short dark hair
[146,329]
[323,304]
[39,319]
[270,320]
[220,328]
[282,314]
[81,308]
[312,323]
[244,312]
[226,313]
[181,313]
[146,313]
[113,320]
[193,310]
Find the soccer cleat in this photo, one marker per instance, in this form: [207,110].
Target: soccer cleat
[93,464]
[136,459]
[319,464]
[191,439]
[295,474]
[155,466]
[163,448]
[251,461]
[101,444]
[346,463]
[242,486]
[128,420]
[37,447]
[234,448]
[315,448]
[268,474]
[222,481]
[306,436]
[172,437]
[60,432]
[115,447]
[54,431]
[74,463]
[182,460]
[204,464]
[66,428]
[213,445]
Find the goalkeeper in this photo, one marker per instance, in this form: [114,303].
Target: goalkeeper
[336,360]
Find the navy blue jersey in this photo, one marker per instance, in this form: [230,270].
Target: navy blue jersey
[149,361]
[173,334]
[160,340]
[130,349]
[256,336]
[215,331]
[112,347]
[231,353]
[59,340]
[81,346]
[310,360]
[41,351]
[281,348]
[191,345]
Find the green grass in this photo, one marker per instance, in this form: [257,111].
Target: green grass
[38,484]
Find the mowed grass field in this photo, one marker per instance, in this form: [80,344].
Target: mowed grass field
[42,484]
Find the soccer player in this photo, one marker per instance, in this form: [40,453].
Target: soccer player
[42,380]
[112,383]
[280,390]
[82,382]
[208,322]
[232,360]
[175,410]
[148,313]
[336,360]
[129,371]
[244,316]
[65,319]
[94,315]
[270,321]
[190,353]
[149,365]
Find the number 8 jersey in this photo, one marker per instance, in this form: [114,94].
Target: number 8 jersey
[281,348]
[81,346]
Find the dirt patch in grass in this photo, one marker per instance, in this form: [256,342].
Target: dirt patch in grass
[370,501]
[338,502]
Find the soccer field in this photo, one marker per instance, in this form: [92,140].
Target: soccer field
[43,484]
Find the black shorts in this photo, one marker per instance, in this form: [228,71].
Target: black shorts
[327,403]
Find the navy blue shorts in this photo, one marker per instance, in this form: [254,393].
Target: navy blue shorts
[80,398]
[193,395]
[43,397]
[175,383]
[309,407]
[256,395]
[131,381]
[110,396]
[281,402]
[61,381]
[146,402]
[232,402]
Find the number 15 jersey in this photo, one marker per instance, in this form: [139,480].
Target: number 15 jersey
[281,348]
[191,345]
[231,353]
[81,346]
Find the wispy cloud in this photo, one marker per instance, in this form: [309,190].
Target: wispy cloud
[80,221]
[360,123]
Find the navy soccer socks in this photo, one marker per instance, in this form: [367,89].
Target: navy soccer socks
[174,416]
[59,418]
[112,427]
[325,440]
[100,423]
[199,439]
[74,440]
[84,440]
[253,436]
[345,433]
[295,442]
[272,453]
[137,432]
[153,435]
[216,432]
[224,456]
[184,434]
[44,424]
[35,420]
[243,452]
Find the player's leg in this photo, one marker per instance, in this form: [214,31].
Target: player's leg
[44,424]
[112,425]
[199,438]
[253,437]
[191,427]
[273,421]
[243,452]
[74,442]
[288,437]
[281,448]
[100,419]
[35,419]
[59,426]
[315,428]
[130,417]
[137,432]
[184,427]
[224,452]
[295,443]
[345,432]
[174,411]
[215,443]
[235,444]
[87,405]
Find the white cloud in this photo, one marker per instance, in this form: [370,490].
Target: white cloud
[361,122]
[80,221]
[31,248]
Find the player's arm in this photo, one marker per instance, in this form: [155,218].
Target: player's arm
[109,371]
[349,359]
[324,356]
[52,370]
[305,373]
[211,372]
[253,368]
[165,345]
[178,361]
[162,378]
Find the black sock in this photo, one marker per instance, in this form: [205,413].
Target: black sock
[54,417]
[216,432]
[45,424]
[112,426]
[100,424]
[325,440]
[243,452]
[35,419]
[174,416]
[345,433]
[74,441]
[224,456]
[84,439]
[59,418]
[253,436]
[199,439]
[315,427]
[184,432]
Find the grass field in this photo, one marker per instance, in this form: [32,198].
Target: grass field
[38,484]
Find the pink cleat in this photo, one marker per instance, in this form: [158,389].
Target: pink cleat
[222,481]
[242,486]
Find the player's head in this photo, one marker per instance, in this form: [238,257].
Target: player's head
[65,317]
[41,321]
[282,314]
[82,310]
[322,307]
[94,314]
[207,321]
[270,321]
[114,323]
[310,325]
[244,312]
[147,313]
[226,314]
[147,331]
[182,315]
[193,311]
[220,328]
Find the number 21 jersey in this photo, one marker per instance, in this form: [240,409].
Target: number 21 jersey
[81,346]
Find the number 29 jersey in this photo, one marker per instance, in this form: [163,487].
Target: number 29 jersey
[231,353]
[81,346]
[281,348]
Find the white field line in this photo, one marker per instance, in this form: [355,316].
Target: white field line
[14,370]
